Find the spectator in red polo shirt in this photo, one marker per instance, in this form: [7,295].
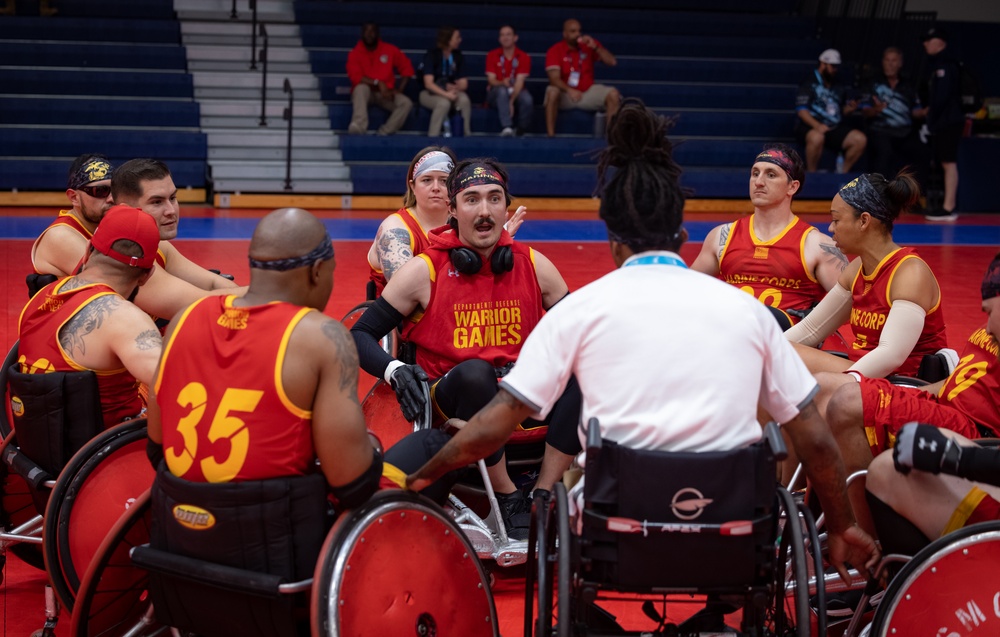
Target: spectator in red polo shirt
[372,66]
[507,68]
[570,65]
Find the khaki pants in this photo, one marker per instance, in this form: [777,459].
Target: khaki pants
[399,108]
[441,107]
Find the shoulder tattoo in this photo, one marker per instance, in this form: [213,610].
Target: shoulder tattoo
[834,253]
[90,318]
[393,248]
[724,234]
[347,356]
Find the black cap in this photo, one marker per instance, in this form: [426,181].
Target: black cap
[935,32]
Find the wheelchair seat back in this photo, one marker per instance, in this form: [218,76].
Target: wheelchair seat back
[37,281]
[54,414]
[273,527]
[682,498]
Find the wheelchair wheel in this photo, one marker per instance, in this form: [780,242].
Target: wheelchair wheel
[948,587]
[113,600]
[553,567]
[792,571]
[398,565]
[96,487]
[389,343]
[383,415]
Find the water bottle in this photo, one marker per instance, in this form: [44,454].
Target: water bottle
[447,127]
[840,164]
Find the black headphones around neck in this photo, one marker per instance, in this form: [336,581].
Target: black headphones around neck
[468,261]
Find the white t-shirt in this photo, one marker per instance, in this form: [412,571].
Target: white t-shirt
[667,359]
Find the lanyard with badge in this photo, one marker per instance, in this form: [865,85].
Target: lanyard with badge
[574,75]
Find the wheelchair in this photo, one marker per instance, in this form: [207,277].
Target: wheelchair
[389,342]
[69,479]
[729,531]
[396,565]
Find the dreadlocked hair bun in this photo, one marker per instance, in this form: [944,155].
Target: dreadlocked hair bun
[639,181]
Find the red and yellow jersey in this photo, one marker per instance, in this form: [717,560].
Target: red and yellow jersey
[482,316]
[42,352]
[974,386]
[418,243]
[65,218]
[225,414]
[773,271]
[871,307]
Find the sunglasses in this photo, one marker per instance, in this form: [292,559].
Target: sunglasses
[98,192]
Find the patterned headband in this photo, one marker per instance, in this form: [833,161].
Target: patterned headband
[779,159]
[475,175]
[434,160]
[862,195]
[323,252]
[93,170]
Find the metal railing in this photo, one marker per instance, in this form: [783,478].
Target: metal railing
[263,76]
[288,147]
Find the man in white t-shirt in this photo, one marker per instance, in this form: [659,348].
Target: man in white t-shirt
[666,358]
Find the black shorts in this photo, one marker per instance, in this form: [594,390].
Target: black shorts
[944,143]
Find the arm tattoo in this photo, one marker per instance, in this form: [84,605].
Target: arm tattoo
[393,248]
[150,339]
[724,234]
[347,356]
[88,319]
[834,254]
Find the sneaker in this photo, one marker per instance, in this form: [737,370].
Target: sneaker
[507,132]
[516,513]
[940,214]
[354,129]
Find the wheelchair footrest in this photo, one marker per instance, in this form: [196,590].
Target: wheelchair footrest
[207,573]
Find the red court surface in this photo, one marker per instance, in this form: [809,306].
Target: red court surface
[958,268]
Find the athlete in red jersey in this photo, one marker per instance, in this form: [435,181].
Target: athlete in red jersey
[218,418]
[784,262]
[468,303]
[83,322]
[59,249]
[938,504]
[890,297]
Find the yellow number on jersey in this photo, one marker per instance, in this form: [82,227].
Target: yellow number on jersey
[966,375]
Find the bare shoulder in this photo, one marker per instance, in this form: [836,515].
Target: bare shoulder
[325,337]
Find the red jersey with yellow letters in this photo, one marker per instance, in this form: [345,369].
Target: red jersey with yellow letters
[871,308]
[65,218]
[773,271]
[226,416]
[418,243]
[41,352]
[974,386]
[482,316]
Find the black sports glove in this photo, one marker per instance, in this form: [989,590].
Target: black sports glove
[407,381]
[925,448]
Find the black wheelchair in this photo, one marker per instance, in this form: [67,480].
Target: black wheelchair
[250,559]
[66,479]
[655,526]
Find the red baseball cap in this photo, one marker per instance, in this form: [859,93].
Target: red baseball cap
[126,222]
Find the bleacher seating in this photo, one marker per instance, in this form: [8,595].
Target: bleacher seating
[106,77]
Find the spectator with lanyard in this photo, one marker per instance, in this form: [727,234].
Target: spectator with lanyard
[866,416]
[445,82]
[466,304]
[600,333]
[821,106]
[570,66]
[507,68]
[781,260]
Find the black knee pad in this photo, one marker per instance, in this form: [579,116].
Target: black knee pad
[896,533]
[466,389]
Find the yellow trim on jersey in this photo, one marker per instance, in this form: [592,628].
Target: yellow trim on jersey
[279,365]
[892,275]
[394,474]
[773,240]
[729,237]
[430,266]
[960,516]
[802,254]
[168,345]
